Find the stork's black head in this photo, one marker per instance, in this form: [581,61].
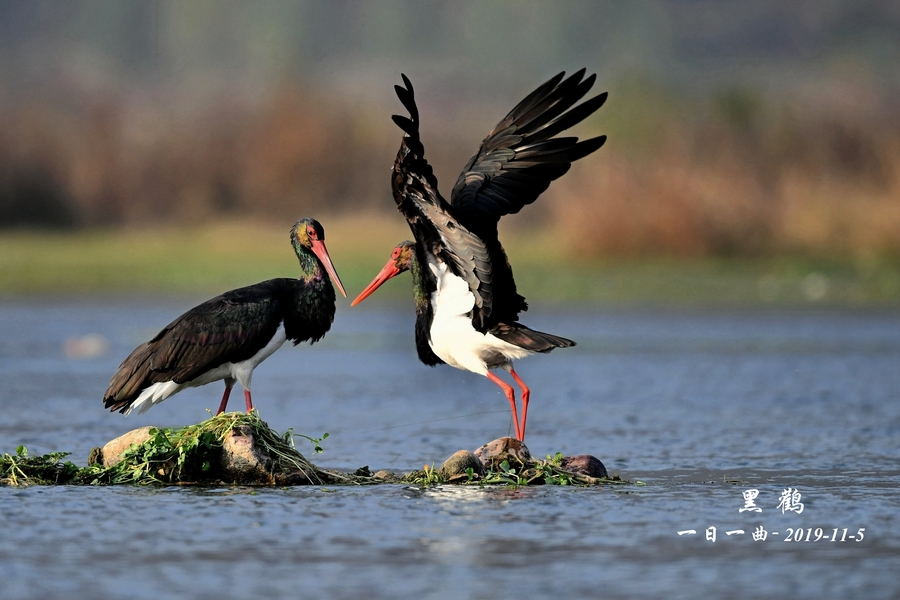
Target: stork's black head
[306,231]
[308,234]
[401,258]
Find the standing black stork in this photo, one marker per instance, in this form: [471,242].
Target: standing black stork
[230,335]
[467,307]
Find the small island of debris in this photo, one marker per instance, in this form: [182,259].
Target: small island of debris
[241,449]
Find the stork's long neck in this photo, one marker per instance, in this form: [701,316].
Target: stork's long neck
[420,292]
[312,311]
[311,268]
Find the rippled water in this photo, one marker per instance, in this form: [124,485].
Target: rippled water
[698,407]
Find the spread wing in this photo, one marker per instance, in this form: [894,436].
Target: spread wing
[520,157]
[437,232]
[515,164]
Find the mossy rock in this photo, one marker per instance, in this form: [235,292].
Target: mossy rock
[231,448]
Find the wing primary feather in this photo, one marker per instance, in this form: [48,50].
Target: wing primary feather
[557,100]
[529,101]
[408,127]
[407,98]
[569,119]
[558,108]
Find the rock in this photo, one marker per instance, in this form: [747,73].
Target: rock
[584,464]
[111,453]
[95,457]
[506,448]
[386,476]
[242,461]
[455,467]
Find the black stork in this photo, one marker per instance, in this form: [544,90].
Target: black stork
[230,335]
[467,307]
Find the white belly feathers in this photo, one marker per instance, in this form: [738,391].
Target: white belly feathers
[453,338]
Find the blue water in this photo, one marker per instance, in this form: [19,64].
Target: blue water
[698,407]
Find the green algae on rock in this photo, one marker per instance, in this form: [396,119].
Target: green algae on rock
[231,448]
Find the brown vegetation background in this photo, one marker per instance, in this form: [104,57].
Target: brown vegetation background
[734,129]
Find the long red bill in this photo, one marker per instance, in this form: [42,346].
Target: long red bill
[389,270]
[319,248]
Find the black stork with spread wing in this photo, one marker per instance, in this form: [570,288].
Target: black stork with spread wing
[230,335]
[467,306]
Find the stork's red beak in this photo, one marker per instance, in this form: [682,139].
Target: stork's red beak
[318,247]
[389,270]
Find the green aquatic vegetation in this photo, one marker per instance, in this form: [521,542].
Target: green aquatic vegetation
[316,442]
[188,454]
[178,456]
[21,469]
[192,455]
[508,475]
[167,456]
[523,473]
[431,476]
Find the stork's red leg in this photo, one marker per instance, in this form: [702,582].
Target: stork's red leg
[526,394]
[248,400]
[224,399]
[511,396]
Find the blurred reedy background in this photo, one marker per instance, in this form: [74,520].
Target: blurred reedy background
[757,138]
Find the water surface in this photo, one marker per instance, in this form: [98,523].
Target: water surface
[699,407]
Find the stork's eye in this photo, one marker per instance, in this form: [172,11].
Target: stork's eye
[395,253]
[311,233]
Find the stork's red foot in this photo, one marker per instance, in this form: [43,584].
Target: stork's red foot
[224,402]
[526,395]
[511,396]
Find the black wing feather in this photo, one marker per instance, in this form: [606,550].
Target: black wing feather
[423,339]
[408,127]
[570,119]
[522,142]
[434,226]
[516,163]
[532,100]
[228,328]
[565,97]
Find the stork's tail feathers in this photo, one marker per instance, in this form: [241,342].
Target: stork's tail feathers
[529,339]
[129,380]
